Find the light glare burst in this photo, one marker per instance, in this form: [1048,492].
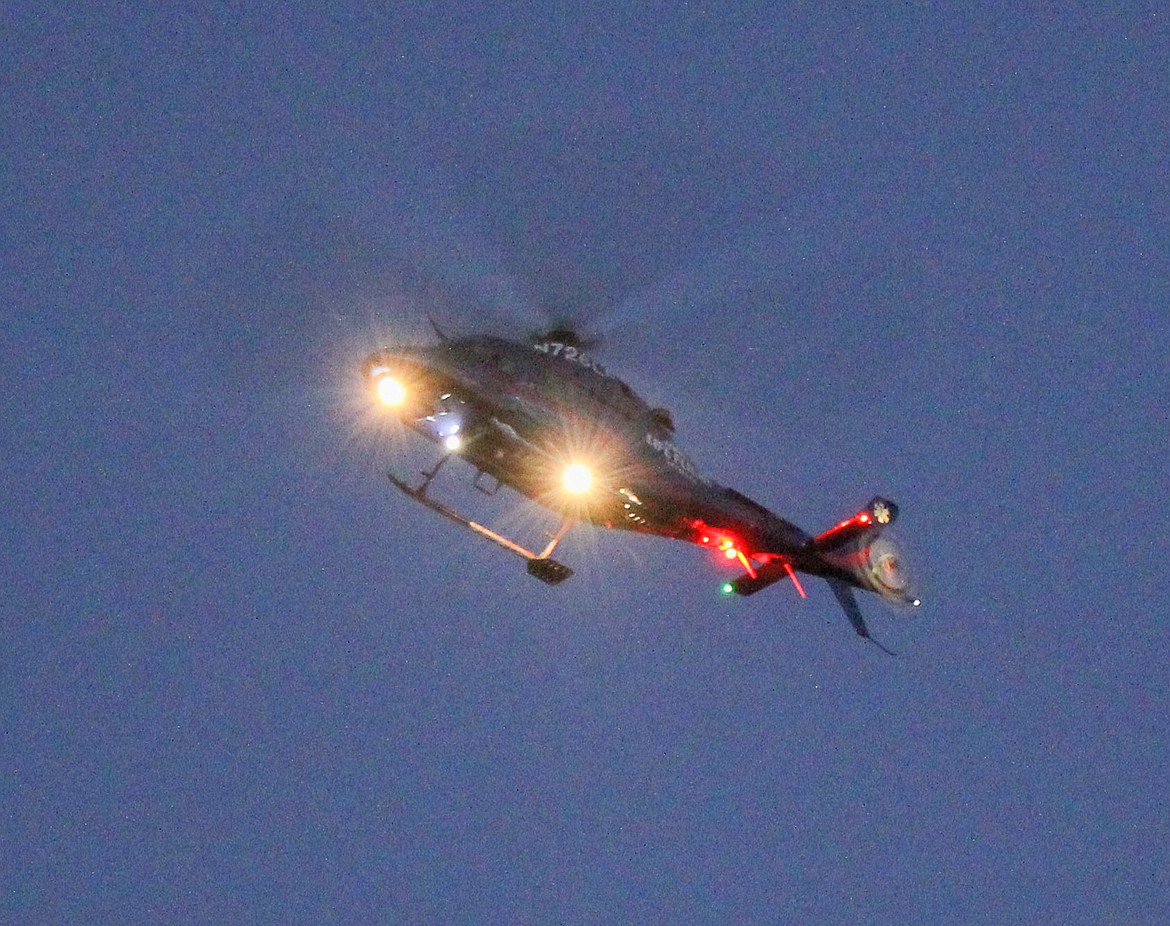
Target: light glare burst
[577,479]
[390,391]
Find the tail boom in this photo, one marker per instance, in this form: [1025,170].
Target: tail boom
[850,555]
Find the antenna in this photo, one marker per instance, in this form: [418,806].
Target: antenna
[884,649]
[439,331]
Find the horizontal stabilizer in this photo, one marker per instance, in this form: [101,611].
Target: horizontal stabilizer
[766,575]
[879,513]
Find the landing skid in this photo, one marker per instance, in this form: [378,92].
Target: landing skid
[541,565]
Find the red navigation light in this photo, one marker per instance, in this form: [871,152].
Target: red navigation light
[863,518]
[727,544]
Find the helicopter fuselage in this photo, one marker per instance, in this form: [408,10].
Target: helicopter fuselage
[550,422]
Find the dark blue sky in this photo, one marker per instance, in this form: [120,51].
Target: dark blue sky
[917,252]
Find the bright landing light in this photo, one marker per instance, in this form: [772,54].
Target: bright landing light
[390,391]
[577,479]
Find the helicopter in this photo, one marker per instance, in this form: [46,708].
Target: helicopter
[547,420]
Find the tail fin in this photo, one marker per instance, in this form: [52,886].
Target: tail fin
[845,597]
[862,558]
[843,592]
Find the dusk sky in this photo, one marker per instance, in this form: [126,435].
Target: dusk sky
[912,250]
